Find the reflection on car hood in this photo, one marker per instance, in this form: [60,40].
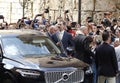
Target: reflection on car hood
[56,62]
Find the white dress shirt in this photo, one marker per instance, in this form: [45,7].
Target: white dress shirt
[61,33]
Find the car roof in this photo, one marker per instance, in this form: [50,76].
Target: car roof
[17,32]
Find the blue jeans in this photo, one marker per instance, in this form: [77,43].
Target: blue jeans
[93,77]
[118,78]
[93,66]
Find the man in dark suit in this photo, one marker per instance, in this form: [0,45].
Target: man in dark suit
[106,62]
[62,38]
[82,45]
[83,51]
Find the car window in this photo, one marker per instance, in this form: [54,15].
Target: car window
[29,46]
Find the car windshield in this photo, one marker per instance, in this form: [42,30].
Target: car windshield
[29,46]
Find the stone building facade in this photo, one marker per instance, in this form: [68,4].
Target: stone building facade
[13,9]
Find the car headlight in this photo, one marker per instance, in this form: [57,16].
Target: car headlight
[28,73]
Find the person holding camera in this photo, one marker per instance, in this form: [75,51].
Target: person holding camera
[107,20]
[20,23]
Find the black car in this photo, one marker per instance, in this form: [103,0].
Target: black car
[28,56]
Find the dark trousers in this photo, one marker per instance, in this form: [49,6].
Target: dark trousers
[88,78]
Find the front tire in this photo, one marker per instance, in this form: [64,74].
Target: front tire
[8,80]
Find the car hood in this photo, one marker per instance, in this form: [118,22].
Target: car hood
[53,61]
[43,62]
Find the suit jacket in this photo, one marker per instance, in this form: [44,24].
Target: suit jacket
[106,61]
[82,49]
[49,35]
[67,40]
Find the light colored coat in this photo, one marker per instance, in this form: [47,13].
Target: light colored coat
[117,51]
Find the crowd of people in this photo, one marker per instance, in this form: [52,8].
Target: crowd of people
[97,45]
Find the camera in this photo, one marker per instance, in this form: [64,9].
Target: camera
[89,19]
[73,24]
[39,14]
[24,18]
[46,10]
[1,17]
[67,11]
[99,26]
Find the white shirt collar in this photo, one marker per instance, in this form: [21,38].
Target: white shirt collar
[61,32]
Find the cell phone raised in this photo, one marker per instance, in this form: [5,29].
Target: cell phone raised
[1,17]
[24,18]
[39,14]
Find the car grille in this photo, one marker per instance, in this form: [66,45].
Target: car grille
[75,76]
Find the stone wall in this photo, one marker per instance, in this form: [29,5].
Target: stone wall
[102,6]
[94,8]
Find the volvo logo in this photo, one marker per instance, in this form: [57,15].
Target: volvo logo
[65,77]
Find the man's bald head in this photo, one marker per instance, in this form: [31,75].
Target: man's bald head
[84,29]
